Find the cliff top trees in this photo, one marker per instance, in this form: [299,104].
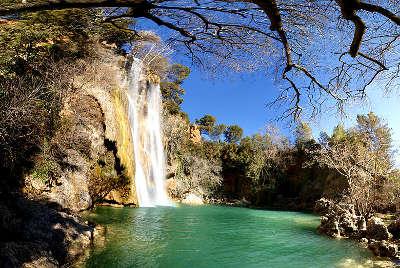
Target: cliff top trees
[206,124]
[33,39]
[362,156]
[171,87]
[233,134]
[217,131]
[322,49]
[303,133]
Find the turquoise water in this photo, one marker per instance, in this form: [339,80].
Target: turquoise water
[214,236]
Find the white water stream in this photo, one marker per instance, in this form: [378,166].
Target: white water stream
[144,110]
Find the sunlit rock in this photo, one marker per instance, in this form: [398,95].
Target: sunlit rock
[192,199]
[195,135]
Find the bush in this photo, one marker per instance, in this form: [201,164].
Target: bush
[103,178]
[198,175]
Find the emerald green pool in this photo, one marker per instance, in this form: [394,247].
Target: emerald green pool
[215,236]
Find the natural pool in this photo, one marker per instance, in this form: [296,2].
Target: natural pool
[215,236]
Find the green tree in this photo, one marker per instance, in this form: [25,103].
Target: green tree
[303,134]
[375,130]
[233,134]
[217,131]
[363,157]
[171,87]
[30,40]
[338,134]
[206,124]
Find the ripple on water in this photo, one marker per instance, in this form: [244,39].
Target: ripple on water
[213,236]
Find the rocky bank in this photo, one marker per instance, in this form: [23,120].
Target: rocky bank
[41,235]
[381,235]
[85,162]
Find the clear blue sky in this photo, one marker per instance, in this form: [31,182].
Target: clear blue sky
[238,99]
[241,99]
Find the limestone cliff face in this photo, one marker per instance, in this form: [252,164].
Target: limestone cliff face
[81,156]
[91,155]
[105,82]
[95,154]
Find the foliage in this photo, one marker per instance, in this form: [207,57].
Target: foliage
[195,167]
[171,87]
[46,168]
[103,178]
[206,124]
[338,134]
[29,114]
[265,160]
[303,134]
[233,134]
[217,131]
[176,136]
[32,39]
[199,175]
[362,155]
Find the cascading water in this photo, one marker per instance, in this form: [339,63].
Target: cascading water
[144,116]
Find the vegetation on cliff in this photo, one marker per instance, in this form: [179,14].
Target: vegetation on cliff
[57,70]
[55,157]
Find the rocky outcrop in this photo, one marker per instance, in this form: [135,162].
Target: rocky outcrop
[171,185]
[103,82]
[394,229]
[85,165]
[383,248]
[78,164]
[37,235]
[377,230]
[195,135]
[340,220]
[192,199]
[79,158]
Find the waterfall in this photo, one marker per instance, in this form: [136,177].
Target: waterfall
[144,112]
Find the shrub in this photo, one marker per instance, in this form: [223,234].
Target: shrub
[103,178]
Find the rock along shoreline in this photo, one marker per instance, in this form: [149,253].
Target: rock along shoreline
[379,233]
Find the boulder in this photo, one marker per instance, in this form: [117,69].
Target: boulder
[171,185]
[193,199]
[72,192]
[364,242]
[42,236]
[329,226]
[119,199]
[323,206]
[377,230]
[383,248]
[348,223]
[337,220]
[394,229]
